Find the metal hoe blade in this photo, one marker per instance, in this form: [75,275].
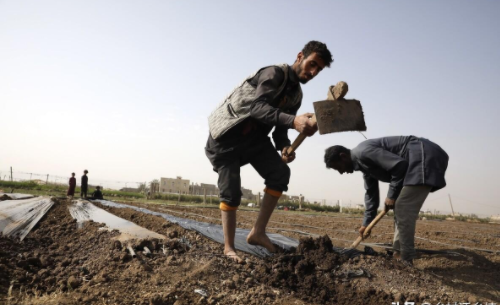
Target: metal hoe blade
[339,115]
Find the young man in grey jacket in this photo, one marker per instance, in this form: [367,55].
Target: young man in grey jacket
[412,166]
[239,128]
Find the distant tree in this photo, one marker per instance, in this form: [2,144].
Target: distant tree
[154,185]
[142,187]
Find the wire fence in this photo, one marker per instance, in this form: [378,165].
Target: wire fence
[25,176]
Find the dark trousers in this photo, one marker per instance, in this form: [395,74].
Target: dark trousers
[83,193]
[263,157]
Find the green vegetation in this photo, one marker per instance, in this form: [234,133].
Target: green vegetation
[20,185]
[309,206]
[457,218]
[57,190]
[31,187]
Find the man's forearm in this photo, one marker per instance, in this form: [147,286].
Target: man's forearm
[372,198]
[371,206]
[394,191]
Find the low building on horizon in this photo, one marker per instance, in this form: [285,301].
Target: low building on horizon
[174,185]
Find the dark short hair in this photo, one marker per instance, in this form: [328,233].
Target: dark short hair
[332,154]
[319,48]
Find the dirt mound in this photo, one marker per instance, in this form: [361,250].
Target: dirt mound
[311,274]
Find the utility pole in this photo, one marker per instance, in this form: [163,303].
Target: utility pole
[204,196]
[11,178]
[47,181]
[452,212]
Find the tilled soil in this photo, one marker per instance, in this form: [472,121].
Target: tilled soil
[59,263]
[473,274]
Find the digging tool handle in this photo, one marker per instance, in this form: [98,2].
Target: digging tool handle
[299,139]
[369,228]
[296,143]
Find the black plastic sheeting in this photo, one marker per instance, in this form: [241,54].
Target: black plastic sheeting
[215,233]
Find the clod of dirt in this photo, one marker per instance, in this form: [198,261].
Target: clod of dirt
[229,284]
[73,282]
[173,234]
[46,261]
[176,246]
[157,300]
[322,245]
[171,261]
[116,245]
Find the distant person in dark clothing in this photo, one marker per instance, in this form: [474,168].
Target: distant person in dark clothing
[85,184]
[72,186]
[97,194]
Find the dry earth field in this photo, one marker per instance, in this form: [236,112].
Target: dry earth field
[59,263]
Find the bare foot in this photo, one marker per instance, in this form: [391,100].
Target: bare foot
[232,255]
[260,240]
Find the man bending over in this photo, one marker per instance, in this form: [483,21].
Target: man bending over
[412,166]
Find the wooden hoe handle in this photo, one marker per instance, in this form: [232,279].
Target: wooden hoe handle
[369,228]
[299,139]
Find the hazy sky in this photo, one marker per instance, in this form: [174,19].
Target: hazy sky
[124,88]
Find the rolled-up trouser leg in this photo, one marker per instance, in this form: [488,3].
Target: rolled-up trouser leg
[229,186]
[408,206]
